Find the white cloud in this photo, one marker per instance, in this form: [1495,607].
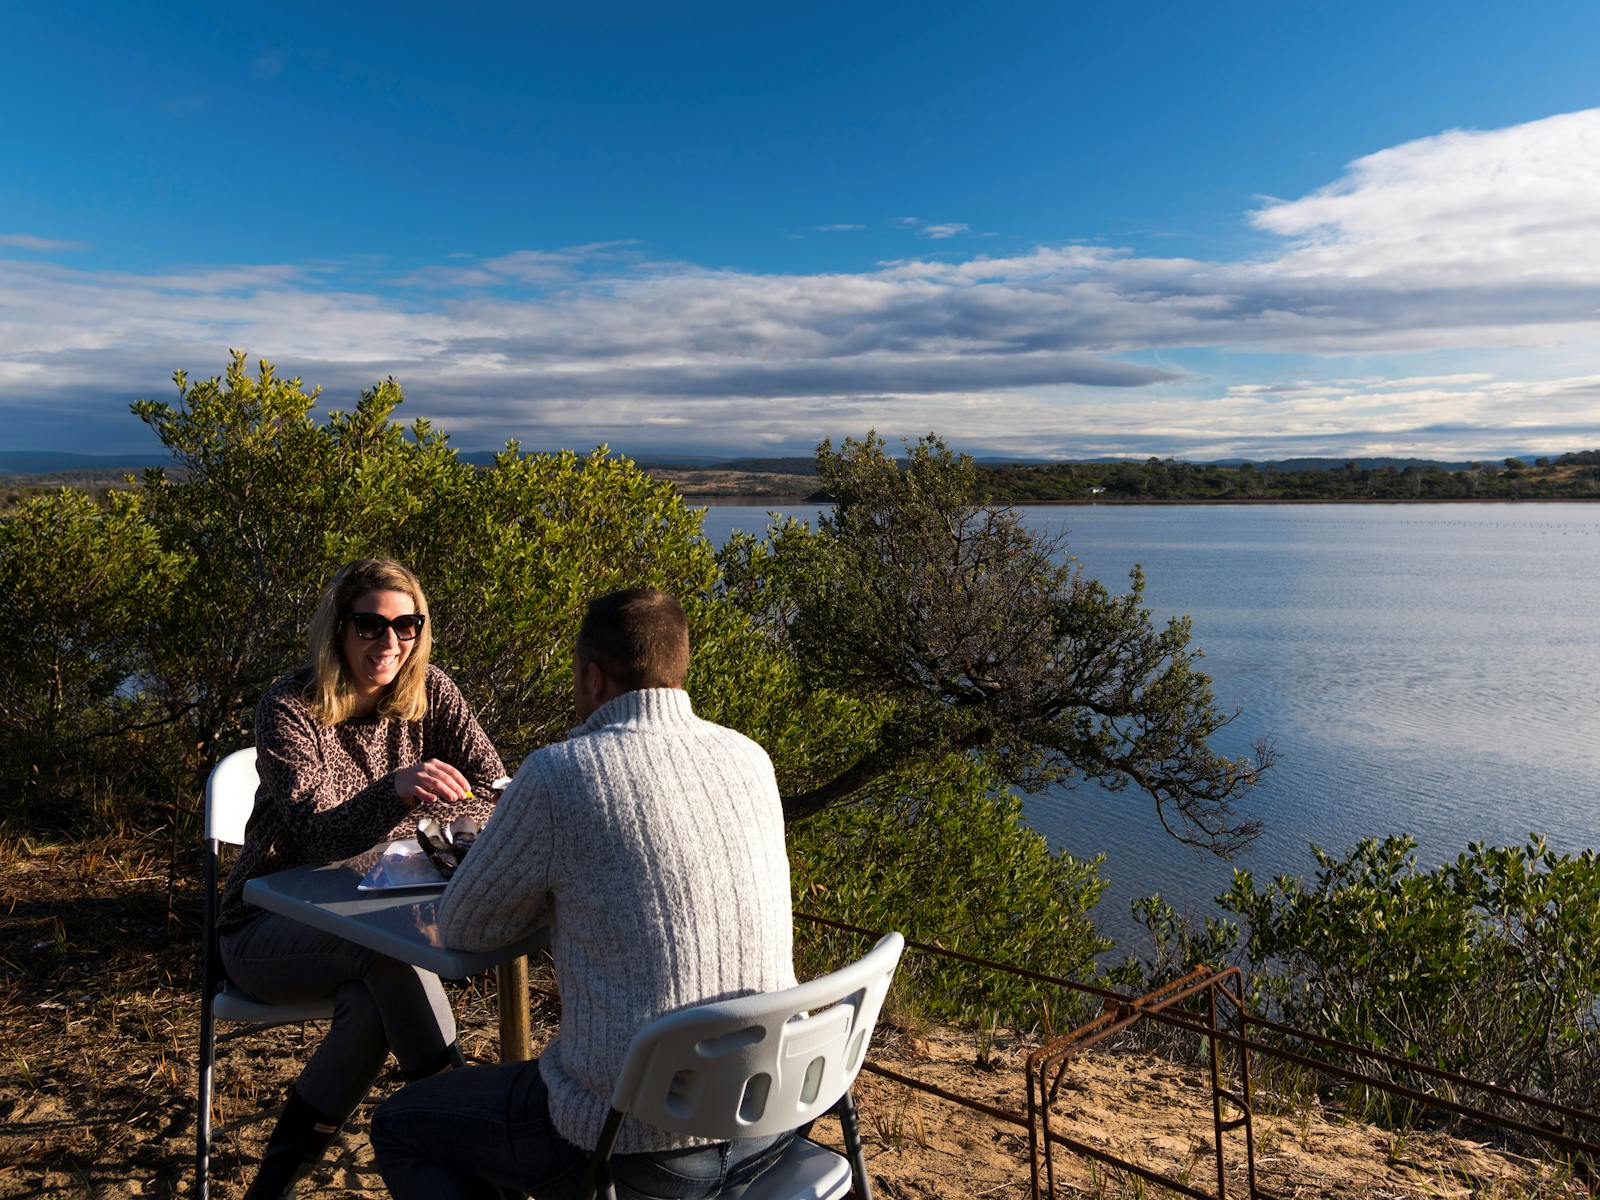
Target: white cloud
[1461,271]
[938,231]
[27,241]
[528,268]
[1520,202]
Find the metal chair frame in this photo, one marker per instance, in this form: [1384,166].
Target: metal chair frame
[230,798]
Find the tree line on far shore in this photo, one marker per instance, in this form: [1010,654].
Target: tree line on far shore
[1574,476]
[1570,476]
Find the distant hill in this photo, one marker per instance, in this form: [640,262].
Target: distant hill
[1363,464]
[55,462]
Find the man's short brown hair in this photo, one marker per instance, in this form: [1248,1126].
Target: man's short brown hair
[638,637]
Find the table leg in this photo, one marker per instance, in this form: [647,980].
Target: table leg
[512,980]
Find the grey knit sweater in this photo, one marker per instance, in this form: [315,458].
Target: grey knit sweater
[653,842]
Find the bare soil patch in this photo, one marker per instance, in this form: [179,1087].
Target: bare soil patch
[100,1012]
[711,484]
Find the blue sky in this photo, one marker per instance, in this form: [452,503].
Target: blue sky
[1054,230]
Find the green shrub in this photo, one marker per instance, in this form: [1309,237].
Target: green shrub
[1484,966]
[947,860]
[82,587]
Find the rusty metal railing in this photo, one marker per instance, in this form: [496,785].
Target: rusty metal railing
[1554,1125]
[1047,1067]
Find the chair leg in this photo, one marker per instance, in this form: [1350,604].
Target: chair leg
[208,1024]
[850,1128]
[208,1053]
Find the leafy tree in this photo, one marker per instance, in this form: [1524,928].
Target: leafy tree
[263,504]
[82,588]
[267,502]
[943,855]
[1007,668]
[1484,966]
[512,554]
[965,633]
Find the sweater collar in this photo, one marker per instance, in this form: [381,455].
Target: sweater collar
[647,706]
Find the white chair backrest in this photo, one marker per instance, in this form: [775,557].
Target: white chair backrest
[230,796]
[758,1065]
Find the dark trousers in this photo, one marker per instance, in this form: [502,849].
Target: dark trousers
[379,1004]
[486,1131]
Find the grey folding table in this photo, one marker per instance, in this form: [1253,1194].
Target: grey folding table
[402,924]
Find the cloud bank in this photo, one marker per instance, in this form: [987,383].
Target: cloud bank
[1465,265]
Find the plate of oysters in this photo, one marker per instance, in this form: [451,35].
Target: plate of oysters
[427,860]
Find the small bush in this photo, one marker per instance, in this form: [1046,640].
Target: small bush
[1484,966]
[949,861]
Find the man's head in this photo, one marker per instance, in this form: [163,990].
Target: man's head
[629,640]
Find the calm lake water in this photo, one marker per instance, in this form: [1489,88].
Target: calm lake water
[1432,670]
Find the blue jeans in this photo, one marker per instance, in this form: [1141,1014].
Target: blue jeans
[486,1131]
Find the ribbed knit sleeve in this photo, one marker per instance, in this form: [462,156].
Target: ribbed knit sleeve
[499,891]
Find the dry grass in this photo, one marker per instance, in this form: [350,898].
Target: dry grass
[100,1019]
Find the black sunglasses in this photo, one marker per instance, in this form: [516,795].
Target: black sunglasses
[370,627]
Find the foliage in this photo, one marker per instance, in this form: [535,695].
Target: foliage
[946,860]
[1484,966]
[1571,476]
[264,504]
[82,586]
[512,554]
[1015,670]
[1178,944]
[271,502]
[971,635]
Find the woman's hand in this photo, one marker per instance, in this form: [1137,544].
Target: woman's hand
[431,779]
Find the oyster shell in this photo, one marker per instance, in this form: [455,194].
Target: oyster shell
[447,845]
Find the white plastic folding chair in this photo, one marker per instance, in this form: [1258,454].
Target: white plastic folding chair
[230,798]
[759,1066]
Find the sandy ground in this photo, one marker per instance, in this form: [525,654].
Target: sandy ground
[100,1022]
[752,486]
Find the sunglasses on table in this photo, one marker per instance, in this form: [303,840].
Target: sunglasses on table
[370,627]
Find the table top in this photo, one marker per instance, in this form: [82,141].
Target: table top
[402,924]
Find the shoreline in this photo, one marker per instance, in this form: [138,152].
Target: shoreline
[732,500]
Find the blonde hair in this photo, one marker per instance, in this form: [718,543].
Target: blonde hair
[329,691]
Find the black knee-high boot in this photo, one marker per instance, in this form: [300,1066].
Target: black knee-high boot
[302,1136]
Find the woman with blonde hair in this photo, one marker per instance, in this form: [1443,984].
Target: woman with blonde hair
[352,749]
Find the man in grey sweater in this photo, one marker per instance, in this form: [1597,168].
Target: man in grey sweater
[651,842]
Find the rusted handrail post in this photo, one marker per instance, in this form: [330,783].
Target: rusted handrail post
[1215,1054]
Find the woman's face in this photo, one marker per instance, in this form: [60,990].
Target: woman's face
[373,665]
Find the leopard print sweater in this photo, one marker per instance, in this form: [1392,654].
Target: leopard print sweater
[327,791]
